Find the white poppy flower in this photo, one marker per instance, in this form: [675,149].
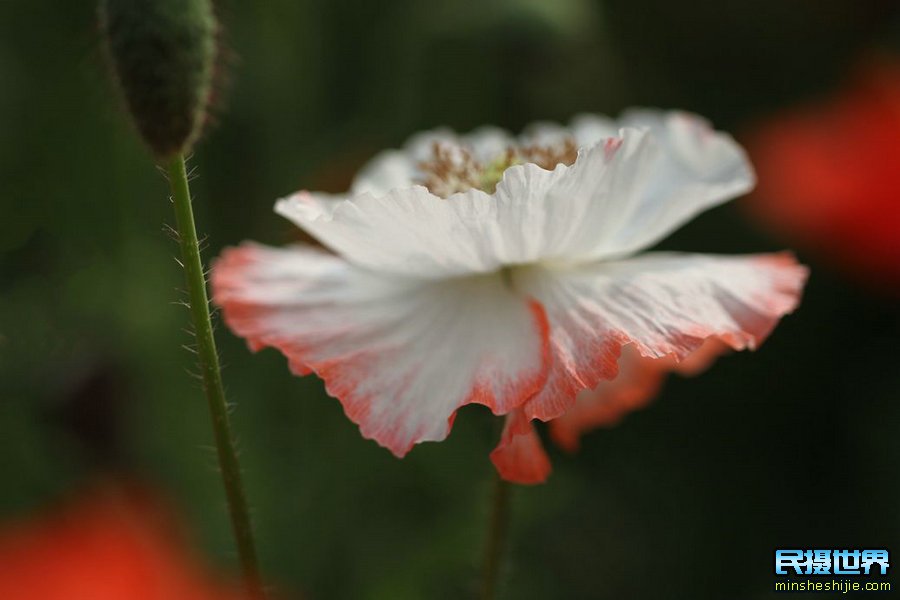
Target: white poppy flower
[502,271]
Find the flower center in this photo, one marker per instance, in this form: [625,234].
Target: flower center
[452,168]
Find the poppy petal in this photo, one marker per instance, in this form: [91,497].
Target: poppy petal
[621,194]
[402,355]
[520,456]
[665,304]
[639,380]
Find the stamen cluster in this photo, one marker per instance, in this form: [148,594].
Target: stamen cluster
[453,168]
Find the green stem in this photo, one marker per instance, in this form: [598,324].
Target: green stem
[496,540]
[212,377]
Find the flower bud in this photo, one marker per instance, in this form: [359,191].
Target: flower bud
[163,53]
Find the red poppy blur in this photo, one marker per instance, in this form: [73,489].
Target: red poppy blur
[829,175]
[110,543]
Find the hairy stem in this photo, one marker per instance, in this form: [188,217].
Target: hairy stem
[496,538]
[212,377]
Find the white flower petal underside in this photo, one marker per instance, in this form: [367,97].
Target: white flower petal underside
[667,168]
[664,304]
[535,214]
[407,232]
[696,168]
[401,355]
[622,194]
[562,215]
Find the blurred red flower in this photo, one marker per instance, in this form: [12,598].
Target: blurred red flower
[829,174]
[110,543]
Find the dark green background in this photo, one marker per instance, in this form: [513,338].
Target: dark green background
[794,445]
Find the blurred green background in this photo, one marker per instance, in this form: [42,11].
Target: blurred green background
[796,444]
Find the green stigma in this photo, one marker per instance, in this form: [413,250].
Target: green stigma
[492,172]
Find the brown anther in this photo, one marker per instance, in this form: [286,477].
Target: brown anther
[547,157]
[450,170]
[453,169]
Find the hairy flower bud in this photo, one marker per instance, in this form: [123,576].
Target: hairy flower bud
[163,53]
